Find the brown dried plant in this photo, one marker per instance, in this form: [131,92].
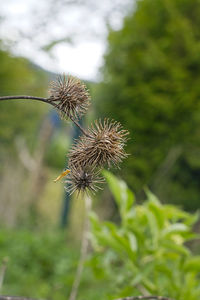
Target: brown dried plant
[84,180]
[101,145]
[70,96]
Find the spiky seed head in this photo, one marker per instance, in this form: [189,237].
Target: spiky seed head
[70,96]
[84,179]
[104,145]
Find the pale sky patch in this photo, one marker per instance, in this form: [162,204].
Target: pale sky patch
[86,24]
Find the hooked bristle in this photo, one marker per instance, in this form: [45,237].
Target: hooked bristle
[104,145]
[70,96]
[84,180]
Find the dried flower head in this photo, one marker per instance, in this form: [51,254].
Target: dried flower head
[70,96]
[83,179]
[103,145]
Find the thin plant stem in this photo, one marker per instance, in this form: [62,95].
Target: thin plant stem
[84,247]
[46,100]
[24,97]
[79,126]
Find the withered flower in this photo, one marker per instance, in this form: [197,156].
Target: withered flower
[70,96]
[83,180]
[103,145]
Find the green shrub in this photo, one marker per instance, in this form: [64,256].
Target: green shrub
[146,251]
[43,265]
[151,85]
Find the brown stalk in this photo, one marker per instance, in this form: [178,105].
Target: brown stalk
[24,97]
[46,100]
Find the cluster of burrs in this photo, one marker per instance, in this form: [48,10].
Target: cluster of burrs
[102,144]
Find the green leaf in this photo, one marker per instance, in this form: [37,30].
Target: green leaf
[172,247]
[152,197]
[156,208]
[153,225]
[192,264]
[176,228]
[132,241]
[123,195]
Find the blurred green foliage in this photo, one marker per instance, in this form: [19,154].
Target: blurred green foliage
[43,265]
[146,252]
[56,153]
[24,118]
[17,117]
[151,85]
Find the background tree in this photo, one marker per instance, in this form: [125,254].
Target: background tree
[21,152]
[151,83]
[16,76]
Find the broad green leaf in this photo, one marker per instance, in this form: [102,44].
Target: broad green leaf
[132,241]
[178,228]
[155,206]
[125,242]
[122,194]
[152,197]
[172,247]
[153,225]
[174,213]
[192,264]
[192,218]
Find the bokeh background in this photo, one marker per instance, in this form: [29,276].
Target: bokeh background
[141,63]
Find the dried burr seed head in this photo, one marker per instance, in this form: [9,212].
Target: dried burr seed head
[70,96]
[104,145]
[84,179]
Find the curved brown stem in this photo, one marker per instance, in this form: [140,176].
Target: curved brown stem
[24,97]
[46,100]
[71,118]
[79,126]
